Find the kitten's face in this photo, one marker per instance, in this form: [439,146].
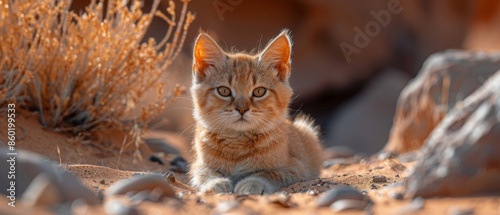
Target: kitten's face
[238,91]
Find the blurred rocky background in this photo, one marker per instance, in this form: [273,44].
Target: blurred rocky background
[351,59]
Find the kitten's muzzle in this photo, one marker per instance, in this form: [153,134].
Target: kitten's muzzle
[241,110]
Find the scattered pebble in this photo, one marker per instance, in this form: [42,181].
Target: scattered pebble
[379,179]
[312,192]
[348,204]
[339,193]
[179,164]
[454,210]
[200,200]
[159,145]
[395,165]
[156,159]
[337,161]
[102,181]
[386,155]
[116,207]
[225,207]
[397,195]
[79,207]
[141,183]
[373,186]
[281,199]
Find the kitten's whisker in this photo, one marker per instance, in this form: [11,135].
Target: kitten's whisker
[185,98]
[297,111]
[191,126]
[183,108]
[261,124]
[216,126]
[295,97]
[223,127]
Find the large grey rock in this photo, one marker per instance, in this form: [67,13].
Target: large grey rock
[39,181]
[445,80]
[461,155]
[140,183]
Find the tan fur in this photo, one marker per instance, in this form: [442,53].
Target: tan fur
[261,150]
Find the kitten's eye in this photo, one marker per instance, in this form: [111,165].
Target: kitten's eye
[224,91]
[259,91]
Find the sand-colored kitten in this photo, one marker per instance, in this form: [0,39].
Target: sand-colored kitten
[245,141]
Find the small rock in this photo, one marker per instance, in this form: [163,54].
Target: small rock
[78,207]
[348,204]
[156,159]
[454,210]
[312,192]
[62,186]
[386,155]
[102,181]
[373,186]
[159,145]
[179,164]
[379,179]
[397,195]
[116,207]
[225,207]
[340,193]
[177,159]
[331,162]
[200,200]
[141,183]
[281,199]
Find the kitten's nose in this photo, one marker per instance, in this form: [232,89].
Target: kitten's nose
[241,105]
[242,110]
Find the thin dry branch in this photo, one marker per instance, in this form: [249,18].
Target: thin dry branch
[88,71]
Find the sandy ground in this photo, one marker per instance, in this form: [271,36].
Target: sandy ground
[99,168]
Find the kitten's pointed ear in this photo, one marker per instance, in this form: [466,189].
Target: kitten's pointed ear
[205,55]
[277,54]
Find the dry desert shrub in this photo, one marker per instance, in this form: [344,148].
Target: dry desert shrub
[87,71]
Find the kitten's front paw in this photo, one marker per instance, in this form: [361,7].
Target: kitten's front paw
[254,185]
[218,185]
